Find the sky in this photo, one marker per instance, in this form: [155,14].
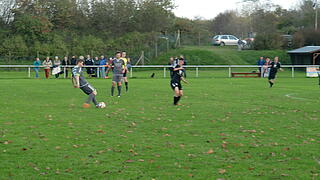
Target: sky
[208,9]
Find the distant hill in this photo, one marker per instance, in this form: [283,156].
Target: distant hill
[209,55]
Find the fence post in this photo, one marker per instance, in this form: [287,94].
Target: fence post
[229,71]
[29,72]
[164,72]
[292,71]
[64,72]
[197,71]
[131,72]
[98,72]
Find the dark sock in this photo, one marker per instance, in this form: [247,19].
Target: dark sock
[126,83]
[175,100]
[92,98]
[271,83]
[112,90]
[119,90]
[179,98]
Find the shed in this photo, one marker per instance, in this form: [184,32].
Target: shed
[308,55]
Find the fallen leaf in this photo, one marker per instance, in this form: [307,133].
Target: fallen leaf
[68,170]
[286,149]
[210,151]
[129,161]
[222,171]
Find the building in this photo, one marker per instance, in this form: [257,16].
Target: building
[308,55]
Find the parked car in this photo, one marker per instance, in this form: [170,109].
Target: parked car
[223,40]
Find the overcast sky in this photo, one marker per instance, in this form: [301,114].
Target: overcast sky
[208,9]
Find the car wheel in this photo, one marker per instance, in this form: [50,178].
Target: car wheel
[222,44]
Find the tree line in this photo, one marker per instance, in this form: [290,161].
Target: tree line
[30,28]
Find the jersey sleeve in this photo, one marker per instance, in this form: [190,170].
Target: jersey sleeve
[76,71]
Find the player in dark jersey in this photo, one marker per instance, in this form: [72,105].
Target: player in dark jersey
[178,76]
[274,66]
[118,67]
[80,82]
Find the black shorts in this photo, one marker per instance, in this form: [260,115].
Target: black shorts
[88,89]
[175,84]
[125,74]
[272,75]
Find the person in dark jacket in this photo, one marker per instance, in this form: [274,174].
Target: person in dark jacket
[65,62]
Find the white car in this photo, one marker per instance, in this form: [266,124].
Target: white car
[223,40]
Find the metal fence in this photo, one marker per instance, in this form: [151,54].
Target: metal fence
[197,68]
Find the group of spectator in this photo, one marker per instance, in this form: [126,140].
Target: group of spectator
[54,66]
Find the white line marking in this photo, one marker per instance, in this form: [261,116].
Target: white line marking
[297,98]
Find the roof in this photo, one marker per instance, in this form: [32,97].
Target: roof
[305,50]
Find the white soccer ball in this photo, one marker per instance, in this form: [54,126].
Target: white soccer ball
[102,105]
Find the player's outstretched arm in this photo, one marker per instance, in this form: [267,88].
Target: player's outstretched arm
[184,80]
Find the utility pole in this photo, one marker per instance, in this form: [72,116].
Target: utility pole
[316,20]
[315,6]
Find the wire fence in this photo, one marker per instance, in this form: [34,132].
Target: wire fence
[193,71]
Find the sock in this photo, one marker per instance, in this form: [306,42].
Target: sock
[119,90]
[94,100]
[271,83]
[112,90]
[91,98]
[126,83]
[175,100]
[179,98]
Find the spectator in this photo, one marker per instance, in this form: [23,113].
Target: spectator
[56,68]
[260,63]
[36,65]
[96,63]
[73,60]
[47,65]
[65,62]
[89,62]
[103,63]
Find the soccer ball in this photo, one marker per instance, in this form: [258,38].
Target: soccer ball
[101,105]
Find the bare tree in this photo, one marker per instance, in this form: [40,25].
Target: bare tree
[6,7]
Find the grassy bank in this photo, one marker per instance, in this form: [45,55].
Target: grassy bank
[215,55]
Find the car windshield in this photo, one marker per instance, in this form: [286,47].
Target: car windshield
[216,37]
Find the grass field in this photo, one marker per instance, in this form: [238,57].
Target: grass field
[226,128]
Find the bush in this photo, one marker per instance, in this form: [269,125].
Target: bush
[268,41]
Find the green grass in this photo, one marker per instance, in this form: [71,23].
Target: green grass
[227,128]
[215,55]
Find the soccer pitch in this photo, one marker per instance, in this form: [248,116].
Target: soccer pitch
[226,128]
